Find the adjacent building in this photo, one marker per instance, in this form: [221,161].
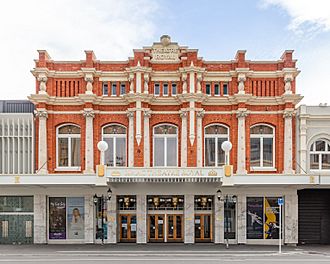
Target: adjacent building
[164,114]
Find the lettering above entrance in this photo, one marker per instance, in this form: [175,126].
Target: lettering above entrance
[165,51]
[165,172]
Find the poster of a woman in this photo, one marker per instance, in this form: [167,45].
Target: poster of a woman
[76,221]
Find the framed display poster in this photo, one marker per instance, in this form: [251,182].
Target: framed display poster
[75,214]
[57,218]
[271,224]
[254,218]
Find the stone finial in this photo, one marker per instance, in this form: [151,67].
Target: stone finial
[42,79]
[165,40]
[288,78]
[89,86]
[241,79]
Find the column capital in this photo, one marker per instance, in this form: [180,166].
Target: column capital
[288,113]
[147,113]
[200,113]
[89,113]
[241,113]
[183,113]
[41,113]
[130,113]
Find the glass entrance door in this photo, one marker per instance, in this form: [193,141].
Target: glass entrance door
[203,227]
[174,228]
[127,226]
[156,228]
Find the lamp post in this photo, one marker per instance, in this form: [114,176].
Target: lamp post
[226,199]
[226,147]
[102,146]
[102,199]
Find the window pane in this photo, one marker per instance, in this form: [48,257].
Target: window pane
[209,151]
[208,89]
[314,163]
[216,89]
[216,129]
[120,151]
[69,129]
[122,88]
[63,152]
[108,155]
[268,152]
[221,153]
[325,161]
[114,89]
[320,145]
[75,152]
[114,129]
[105,89]
[159,152]
[262,130]
[171,152]
[255,152]
[156,89]
[165,89]
[225,88]
[174,89]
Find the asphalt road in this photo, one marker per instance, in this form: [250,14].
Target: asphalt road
[145,254]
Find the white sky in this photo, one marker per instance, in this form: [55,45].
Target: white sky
[113,28]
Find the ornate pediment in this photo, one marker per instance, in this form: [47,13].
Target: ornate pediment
[165,50]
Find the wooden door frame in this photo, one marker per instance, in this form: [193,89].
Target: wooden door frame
[156,239]
[129,221]
[174,239]
[202,239]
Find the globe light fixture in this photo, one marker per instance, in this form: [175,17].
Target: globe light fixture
[226,146]
[102,146]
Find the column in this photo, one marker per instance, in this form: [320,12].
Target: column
[218,221]
[89,219]
[42,143]
[138,135]
[302,147]
[241,219]
[112,220]
[290,223]
[200,115]
[184,131]
[288,114]
[141,217]
[40,223]
[191,122]
[241,151]
[146,138]
[89,115]
[130,115]
[189,219]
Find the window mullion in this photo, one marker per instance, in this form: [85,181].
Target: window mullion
[114,150]
[216,151]
[69,151]
[261,152]
[165,152]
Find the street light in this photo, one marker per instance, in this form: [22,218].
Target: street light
[226,199]
[102,199]
[102,147]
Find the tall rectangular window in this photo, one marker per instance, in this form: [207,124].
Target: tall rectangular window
[165,89]
[113,89]
[208,89]
[122,88]
[174,89]
[105,88]
[225,89]
[156,89]
[216,89]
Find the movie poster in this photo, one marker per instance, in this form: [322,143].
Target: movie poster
[271,225]
[76,221]
[57,218]
[254,218]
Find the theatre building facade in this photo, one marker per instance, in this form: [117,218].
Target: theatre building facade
[164,114]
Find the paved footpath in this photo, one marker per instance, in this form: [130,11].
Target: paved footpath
[161,253]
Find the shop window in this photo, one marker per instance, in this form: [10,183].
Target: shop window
[66,218]
[214,136]
[115,136]
[68,147]
[16,204]
[262,218]
[165,147]
[262,148]
[320,155]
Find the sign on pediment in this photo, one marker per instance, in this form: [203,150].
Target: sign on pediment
[165,51]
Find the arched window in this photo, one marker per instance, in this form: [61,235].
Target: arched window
[68,147]
[262,148]
[320,155]
[214,136]
[165,146]
[115,136]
